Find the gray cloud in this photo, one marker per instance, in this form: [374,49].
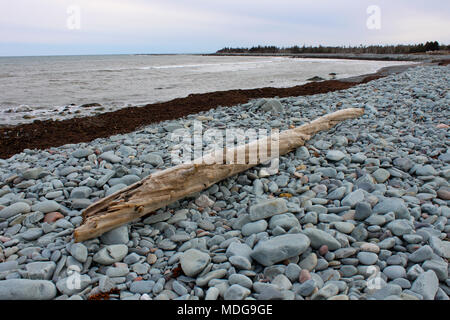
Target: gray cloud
[109,26]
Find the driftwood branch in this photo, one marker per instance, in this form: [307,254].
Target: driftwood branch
[164,187]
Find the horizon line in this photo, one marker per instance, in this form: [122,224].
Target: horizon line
[199,53]
[103,54]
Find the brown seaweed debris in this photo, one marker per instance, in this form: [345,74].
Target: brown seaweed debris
[444,62]
[49,133]
[104,295]
[174,273]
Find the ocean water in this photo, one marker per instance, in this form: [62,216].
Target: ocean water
[54,87]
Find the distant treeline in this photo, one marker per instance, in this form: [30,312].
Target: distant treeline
[386,49]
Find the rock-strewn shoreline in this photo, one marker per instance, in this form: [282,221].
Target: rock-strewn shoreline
[360,212]
[351,56]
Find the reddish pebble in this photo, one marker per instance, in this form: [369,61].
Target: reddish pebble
[138,279]
[350,215]
[442,126]
[52,217]
[444,193]
[152,258]
[4,239]
[202,234]
[323,250]
[298,174]
[120,265]
[18,180]
[304,276]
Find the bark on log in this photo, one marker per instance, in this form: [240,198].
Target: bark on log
[164,187]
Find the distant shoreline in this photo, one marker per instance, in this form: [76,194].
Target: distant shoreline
[348,56]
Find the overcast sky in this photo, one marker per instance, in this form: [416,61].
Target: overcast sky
[53,27]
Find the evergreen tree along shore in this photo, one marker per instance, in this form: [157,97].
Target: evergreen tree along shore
[373,49]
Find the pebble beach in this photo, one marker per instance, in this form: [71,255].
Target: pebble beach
[361,212]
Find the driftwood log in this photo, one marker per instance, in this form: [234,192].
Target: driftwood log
[164,187]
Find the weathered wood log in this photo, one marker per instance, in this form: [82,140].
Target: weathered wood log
[164,187]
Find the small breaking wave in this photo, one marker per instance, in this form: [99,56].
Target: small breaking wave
[204,65]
